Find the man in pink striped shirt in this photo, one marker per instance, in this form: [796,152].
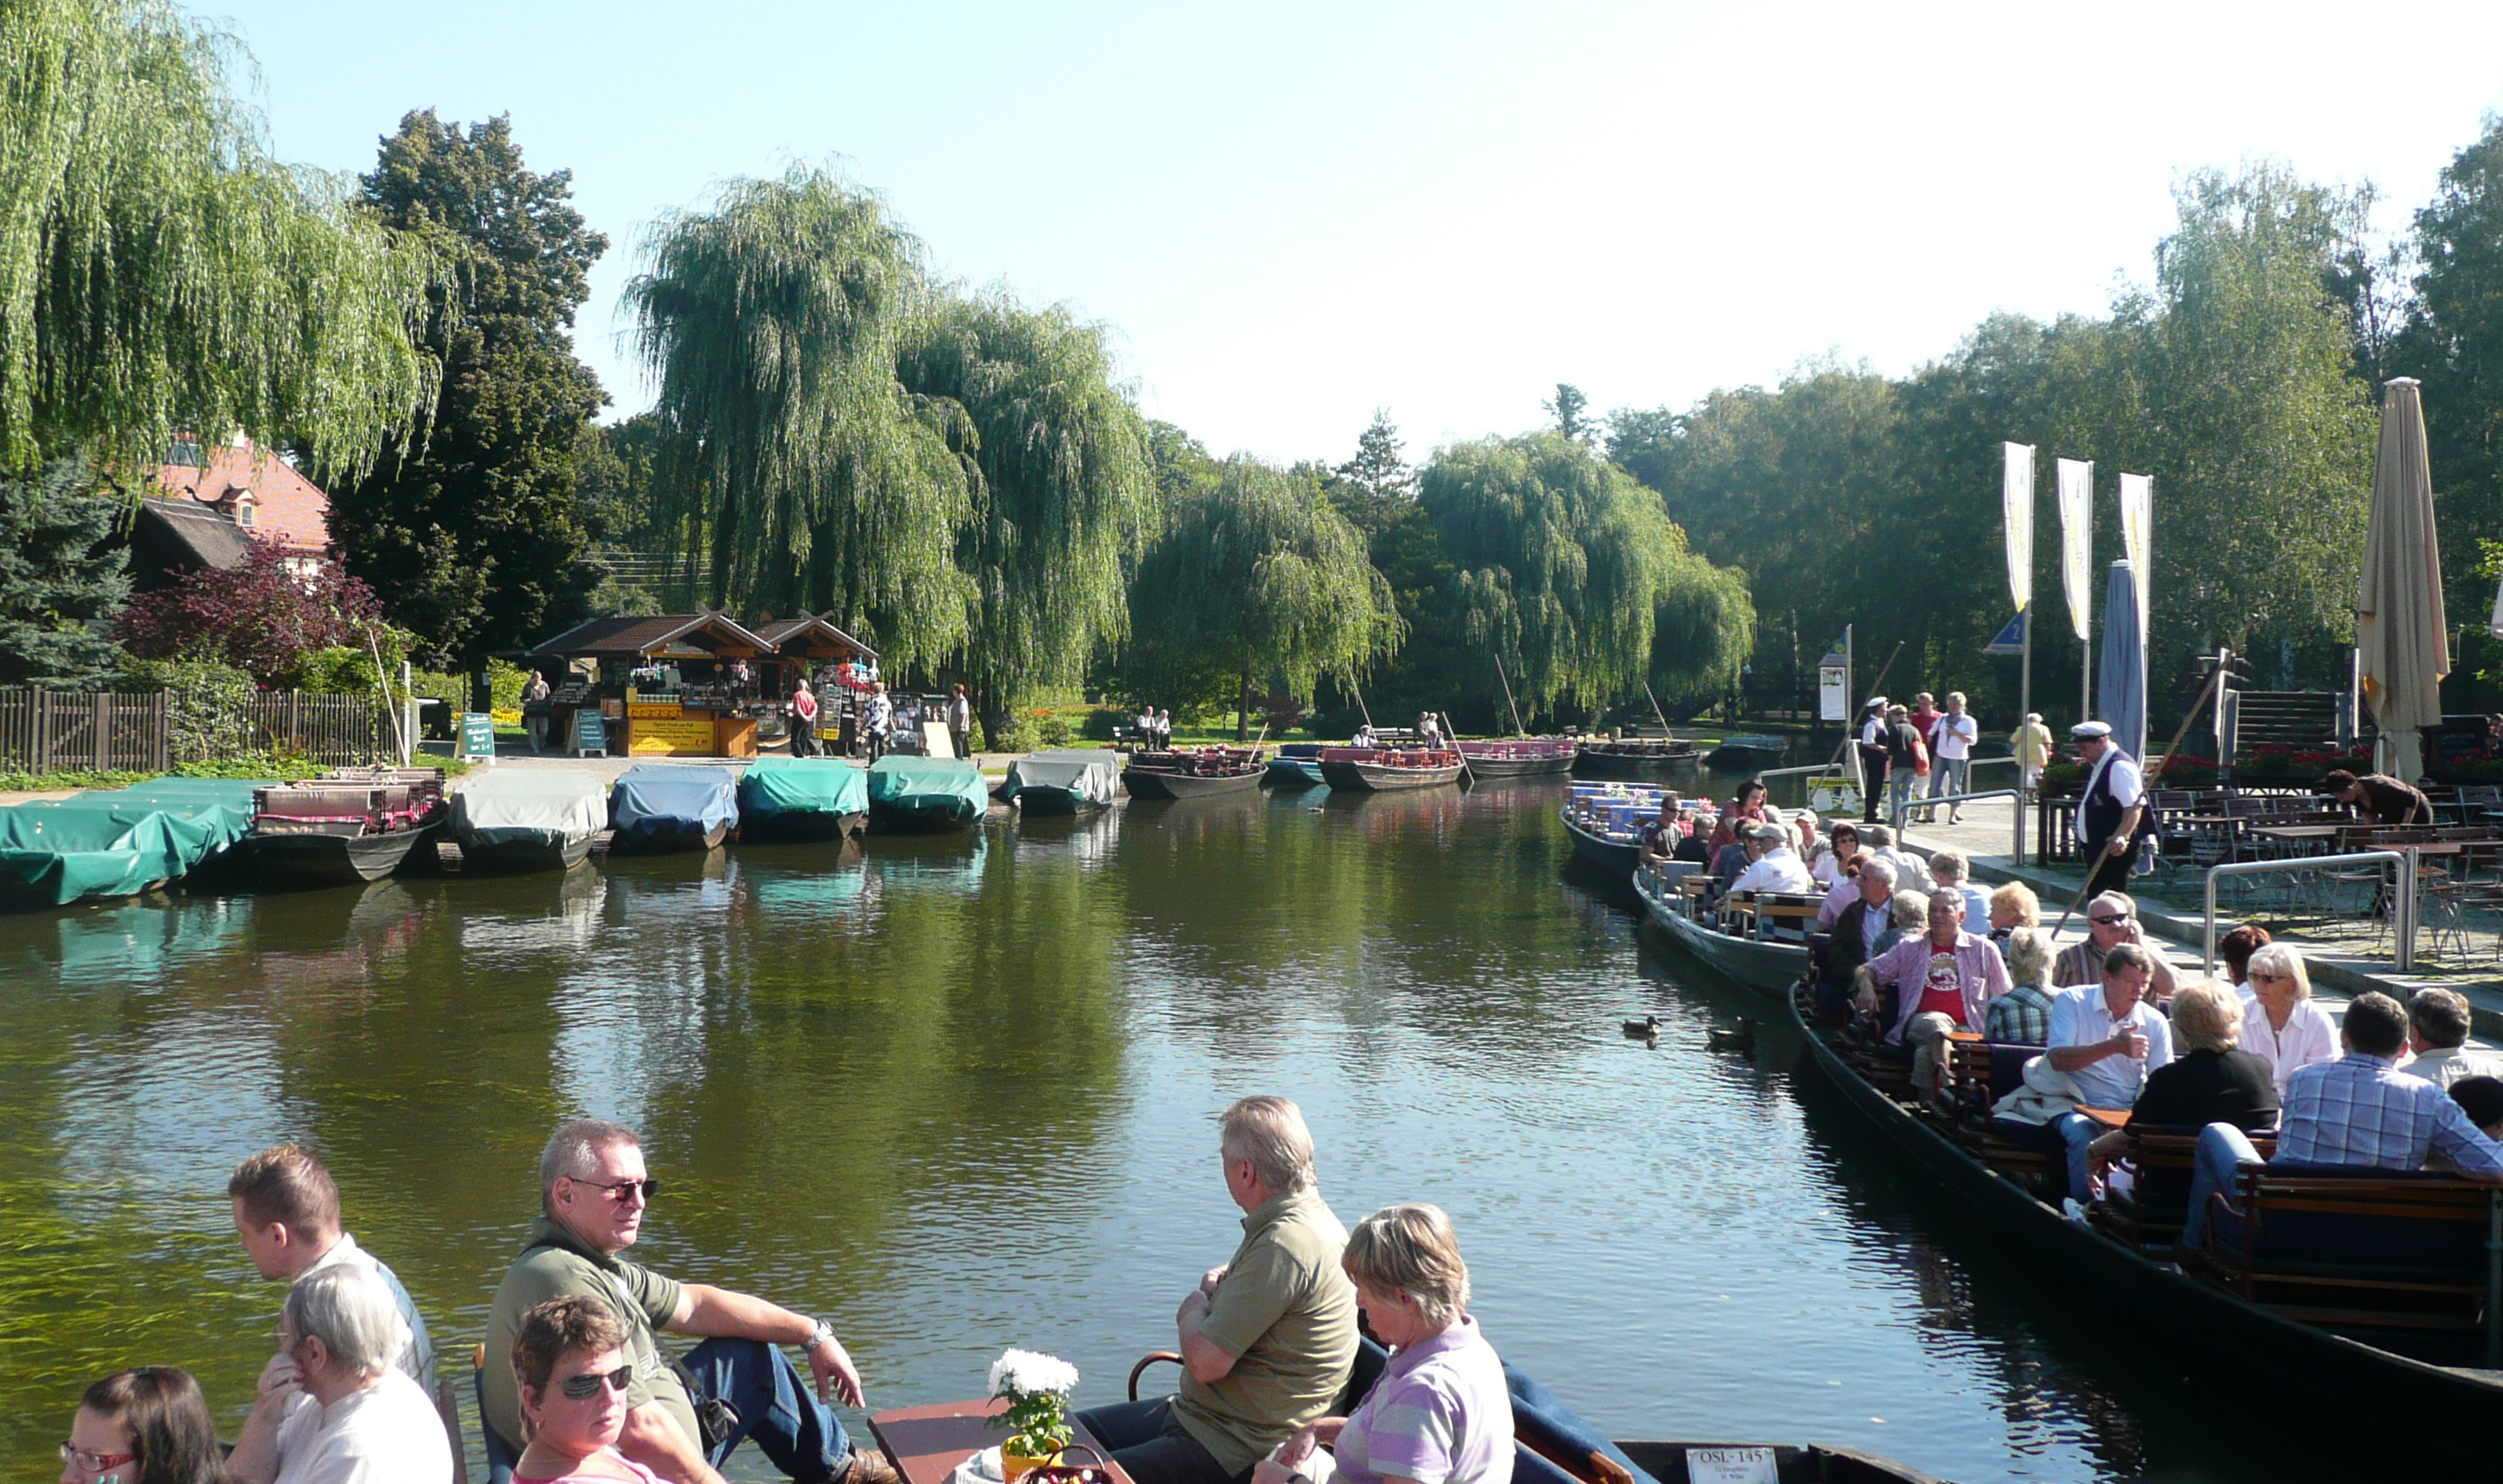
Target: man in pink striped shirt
[1942,982]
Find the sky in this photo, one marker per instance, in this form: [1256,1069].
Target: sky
[1290,215]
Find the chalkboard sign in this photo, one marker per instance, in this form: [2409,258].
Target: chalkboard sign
[477,734]
[590,732]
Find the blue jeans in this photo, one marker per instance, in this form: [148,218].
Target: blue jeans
[776,1405]
[1900,790]
[1947,776]
[2223,1150]
[2076,1130]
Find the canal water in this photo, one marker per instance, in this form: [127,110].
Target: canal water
[957,1096]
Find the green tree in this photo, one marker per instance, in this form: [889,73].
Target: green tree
[1065,489]
[471,529]
[159,271]
[1571,411]
[1257,574]
[1379,471]
[1563,563]
[805,473]
[58,577]
[2452,340]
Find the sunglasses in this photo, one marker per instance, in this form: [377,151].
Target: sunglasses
[95,1463]
[623,1190]
[2113,920]
[584,1387]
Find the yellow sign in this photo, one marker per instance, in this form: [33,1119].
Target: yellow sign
[659,709]
[671,736]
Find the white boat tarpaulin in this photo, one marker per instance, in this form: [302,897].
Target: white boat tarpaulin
[1092,775]
[2016,502]
[2077,540]
[567,803]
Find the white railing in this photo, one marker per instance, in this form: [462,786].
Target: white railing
[2015,797]
[2403,912]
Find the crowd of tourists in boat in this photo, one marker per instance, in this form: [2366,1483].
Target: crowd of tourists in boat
[577,1383]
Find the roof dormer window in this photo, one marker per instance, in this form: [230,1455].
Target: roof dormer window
[243,505]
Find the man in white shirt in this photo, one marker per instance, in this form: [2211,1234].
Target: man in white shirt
[286,1217]
[2107,1040]
[1774,867]
[1911,873]
[2111,809]
[2438,1028]
[1951,738]
[333,1409]
[877,718]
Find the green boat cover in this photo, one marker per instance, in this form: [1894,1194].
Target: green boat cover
[773,786]
[944,787]
[117,842]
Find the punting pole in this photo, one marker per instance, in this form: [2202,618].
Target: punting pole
[1358,692]
[1655,707]
[1517,730]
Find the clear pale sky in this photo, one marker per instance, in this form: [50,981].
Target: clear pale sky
[1293,215]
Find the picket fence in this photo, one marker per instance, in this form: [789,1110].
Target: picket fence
[47,731]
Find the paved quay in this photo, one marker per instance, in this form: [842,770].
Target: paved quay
[2343,963]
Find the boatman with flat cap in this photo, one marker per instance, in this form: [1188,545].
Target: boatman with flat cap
[2112,814]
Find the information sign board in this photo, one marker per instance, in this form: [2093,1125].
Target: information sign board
[477,734]
[1832,695]
[590,732]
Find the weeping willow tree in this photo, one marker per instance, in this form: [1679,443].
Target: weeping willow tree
[1703,628]
[1565,565]
[160,272]
[806,474]
[1257,575]
[1065,489]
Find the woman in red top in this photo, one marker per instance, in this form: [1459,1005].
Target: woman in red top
[1747,807]
[570,1356]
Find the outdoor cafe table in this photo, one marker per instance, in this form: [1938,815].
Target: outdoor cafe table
[926,1443]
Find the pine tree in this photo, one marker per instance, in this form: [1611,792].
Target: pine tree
[57,574]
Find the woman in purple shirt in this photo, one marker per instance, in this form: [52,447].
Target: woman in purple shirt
[1440,1413]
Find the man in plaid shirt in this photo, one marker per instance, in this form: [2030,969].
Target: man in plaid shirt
[2359,1110]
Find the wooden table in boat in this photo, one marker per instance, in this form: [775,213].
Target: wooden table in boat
[1770,912]
[926,1443]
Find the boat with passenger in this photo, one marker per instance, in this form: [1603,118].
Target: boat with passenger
[108,843]
[1297,765]
[1764,946]
[1075,780]
[925,796]
[1194,772]
[801,798]
[1518,758]
[655,807]
[1390,769]
[1633,755]
[1605,820]
[352,824]
[524,818]
[2382,1288]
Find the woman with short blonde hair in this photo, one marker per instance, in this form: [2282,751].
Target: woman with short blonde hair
[2206,1016]
[1414,1289]
[2280,1023]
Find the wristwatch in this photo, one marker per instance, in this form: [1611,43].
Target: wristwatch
[825,1333]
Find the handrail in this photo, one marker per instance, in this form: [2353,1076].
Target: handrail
[2016,795]
[1816,767]
[2403,923]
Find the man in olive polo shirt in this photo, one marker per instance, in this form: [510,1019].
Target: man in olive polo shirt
[593,1193]
[1267,1340]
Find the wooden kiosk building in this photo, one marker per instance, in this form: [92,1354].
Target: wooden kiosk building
[670,685]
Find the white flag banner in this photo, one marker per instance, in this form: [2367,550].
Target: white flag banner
[2016,502]
[2138,534]
[2078,539]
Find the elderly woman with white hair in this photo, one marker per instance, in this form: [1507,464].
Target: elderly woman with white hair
[1440,1413]
[2210,1080]
[2281,1026]
[333,1407]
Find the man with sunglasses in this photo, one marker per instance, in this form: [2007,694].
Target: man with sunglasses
[2112,920]
[593,1193]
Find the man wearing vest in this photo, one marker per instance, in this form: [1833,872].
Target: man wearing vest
[2112,809]
[594,1192]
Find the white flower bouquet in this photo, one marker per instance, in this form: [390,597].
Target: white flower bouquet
[1037,1388]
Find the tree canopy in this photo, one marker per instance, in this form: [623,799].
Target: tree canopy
[59,576]
[161,272]
[808,474]
[469,528]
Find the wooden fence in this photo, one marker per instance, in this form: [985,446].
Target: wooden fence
[47,731]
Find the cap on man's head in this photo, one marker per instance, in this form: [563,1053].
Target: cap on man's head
[1772,834]
[2086,729]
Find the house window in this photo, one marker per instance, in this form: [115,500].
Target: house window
[244,510]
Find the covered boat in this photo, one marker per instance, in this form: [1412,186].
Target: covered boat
[1064,781]
[801,798]
[1386,769]
[118,842]
[660,807]
[1194,772]
[1632,756]
[1518,758]
[1747,754]
[350,826]
[1297,765]
[926,794]
[524,818]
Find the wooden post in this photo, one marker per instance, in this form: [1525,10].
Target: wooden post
[100,708]
[163,755]
[40,739]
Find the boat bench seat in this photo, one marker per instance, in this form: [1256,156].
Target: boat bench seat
[2358,1250]
[332,800]
[1978,1074]
[2149,1215]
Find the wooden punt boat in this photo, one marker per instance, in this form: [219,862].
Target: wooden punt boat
[2164,1304]
[1634,758]
[1194,772]
[655,808]
[1747,754]
[1605,821]
[353,825]
[528,820]
[109,843]
[1519,757]
[1066,781]
[1676,1463]
[1386,769]
[801,799]
[1297,765]
[925,796]
[1761,963]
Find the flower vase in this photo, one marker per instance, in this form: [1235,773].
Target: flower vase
[1014,1465]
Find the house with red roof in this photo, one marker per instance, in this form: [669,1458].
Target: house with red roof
[209,501]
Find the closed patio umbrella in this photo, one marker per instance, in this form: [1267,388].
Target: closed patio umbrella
[2402,650]
[2120,679]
